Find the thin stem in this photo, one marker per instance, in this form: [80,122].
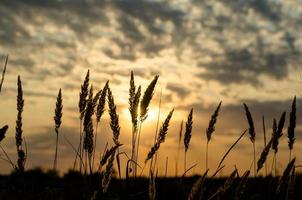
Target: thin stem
[167,160]
[156,131]
[177,157]
[290,155]
[75,150]
[273,162]
[79,149]
[118,163]
[56,153]
[96,133]
[132,166]
[82,151]
[207,149]
[185,162]
[276,166]
[229,150]
[255,172]
[7,157]
[137,148]
[90,163]
[264,139]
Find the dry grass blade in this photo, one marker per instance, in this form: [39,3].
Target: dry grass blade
[144,104]
[292,125]
[239,191]
[58,121]
[211,128]
[189,169]
[152,187]
[198,189]
[229,150]
[264,155]
[188,130]
[2,132]
[284,180]
[101,104]
[252,132]
[3,73]
[114,123]
[161,136]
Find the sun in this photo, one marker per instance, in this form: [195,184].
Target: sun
[152,114]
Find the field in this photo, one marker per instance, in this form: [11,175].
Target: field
[86,181]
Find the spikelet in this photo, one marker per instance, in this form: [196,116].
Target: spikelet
[277,132]
[281,124]
[292,125]
[161,136]
[88,125]
[188,131]
[95,99]
[107,154]
[2,132]
[3,73]
[134,109]
[20,105]
[180,131]
[144,104]
[114,123]
[83,96]
[131,92]
[21,160]
[101,105]
[252,132]
[211,127]
[58,111]
[264,155]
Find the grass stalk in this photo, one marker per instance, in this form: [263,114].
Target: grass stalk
[264,139]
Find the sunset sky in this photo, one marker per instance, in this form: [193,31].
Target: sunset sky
[204,51]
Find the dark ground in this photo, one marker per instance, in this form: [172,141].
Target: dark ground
[36,184]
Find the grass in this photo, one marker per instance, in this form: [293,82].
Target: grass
[101,182]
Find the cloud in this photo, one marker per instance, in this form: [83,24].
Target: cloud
[179,89]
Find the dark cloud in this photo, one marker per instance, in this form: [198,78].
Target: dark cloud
[178,89]
[241,44]
[244,65]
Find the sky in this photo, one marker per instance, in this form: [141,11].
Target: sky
[204,52]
